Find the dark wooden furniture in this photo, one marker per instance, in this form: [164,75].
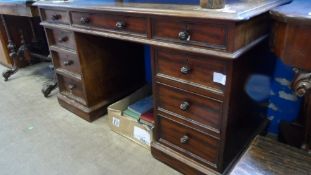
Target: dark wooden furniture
[201,62]
[21,36]
[291,41]
[267,156]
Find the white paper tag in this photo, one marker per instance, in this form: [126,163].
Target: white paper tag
[116,122]
[219,78]
[142,135]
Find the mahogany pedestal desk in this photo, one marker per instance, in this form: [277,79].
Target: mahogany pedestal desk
[292,43]
[201,60]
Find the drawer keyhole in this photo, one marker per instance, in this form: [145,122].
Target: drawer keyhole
[185,69]
[184,106]
[184,139]
[68,62]
[184,35]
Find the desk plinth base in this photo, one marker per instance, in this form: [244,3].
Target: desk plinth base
[178,161]
[87,113]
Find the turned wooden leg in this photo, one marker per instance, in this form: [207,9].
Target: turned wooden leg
[302,87]
[12,51]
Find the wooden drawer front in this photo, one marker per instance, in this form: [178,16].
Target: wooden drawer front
[188,141]
[66,60]
[71,88]
[111,22]
[55,16]
[195,70]
[200,34]
[62,38]
[190,107]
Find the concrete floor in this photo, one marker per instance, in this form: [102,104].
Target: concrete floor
[38,137]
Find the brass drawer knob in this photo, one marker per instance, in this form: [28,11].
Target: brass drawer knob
[68,62]
[184,139]
[85,20]
[184,36]
[63,39]
[50,57]
[184,106]
[185,69]
[120,25]
[71,87]
[56,17]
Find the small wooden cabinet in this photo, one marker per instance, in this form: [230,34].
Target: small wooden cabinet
[92,73]
[201,61]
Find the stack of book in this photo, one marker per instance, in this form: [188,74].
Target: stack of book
[141,111]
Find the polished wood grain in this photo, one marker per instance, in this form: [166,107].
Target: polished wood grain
[55,16]
[107,72]
[280,159]
[61,38]
[66,60]
[199,33]
[22,29]
[234,35]
[200,126]
[191,69]
[96,63]
[290,41]
[239,10]
[71,88]
[115,22]
[179,161]
[188,141]
[291,34]
[297,12]
[18,8]
[4,53]
[202,111]
[238,119]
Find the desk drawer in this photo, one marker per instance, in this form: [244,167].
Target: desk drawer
[66,60]
[71,88]
[55,16]
[195,70]
[188,141]
[190,107]
[188,32]
[61,38]
[120,23]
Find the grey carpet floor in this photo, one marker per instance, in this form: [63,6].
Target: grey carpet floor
[38,137]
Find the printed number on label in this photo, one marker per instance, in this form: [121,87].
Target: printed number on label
[116,122]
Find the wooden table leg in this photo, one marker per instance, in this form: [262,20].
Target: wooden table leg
[12,52]
[307,115]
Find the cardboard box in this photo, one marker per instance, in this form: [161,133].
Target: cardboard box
[126,126]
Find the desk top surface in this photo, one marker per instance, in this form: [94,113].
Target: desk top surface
[299,11]
[16,7]
[234,10]
[11,3]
